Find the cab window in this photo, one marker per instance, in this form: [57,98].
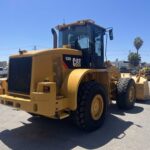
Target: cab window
[98,44]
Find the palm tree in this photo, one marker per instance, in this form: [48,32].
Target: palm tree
[138,42]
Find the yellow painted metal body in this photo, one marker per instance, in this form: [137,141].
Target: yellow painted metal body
[142,88]
[61,84]
[54,88]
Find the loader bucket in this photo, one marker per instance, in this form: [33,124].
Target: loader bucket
[142,88]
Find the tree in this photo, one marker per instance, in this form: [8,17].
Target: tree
[138,42]
[134,59]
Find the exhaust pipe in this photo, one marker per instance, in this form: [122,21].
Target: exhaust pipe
[54,38]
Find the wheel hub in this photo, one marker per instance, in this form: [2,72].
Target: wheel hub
[97,107]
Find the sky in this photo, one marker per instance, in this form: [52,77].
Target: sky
[25,23]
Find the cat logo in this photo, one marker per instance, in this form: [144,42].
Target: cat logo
[72,61]
[76,62]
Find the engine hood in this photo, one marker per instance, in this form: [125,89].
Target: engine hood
[47,52]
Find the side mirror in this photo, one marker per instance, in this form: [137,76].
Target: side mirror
[111,37]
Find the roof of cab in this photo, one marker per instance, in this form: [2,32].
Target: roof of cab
[80,22]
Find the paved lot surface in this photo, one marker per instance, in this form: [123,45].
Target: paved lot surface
[122,130]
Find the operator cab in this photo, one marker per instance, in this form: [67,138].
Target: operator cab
[87,37]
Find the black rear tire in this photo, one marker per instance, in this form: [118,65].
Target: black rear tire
[124,87]
[82,116]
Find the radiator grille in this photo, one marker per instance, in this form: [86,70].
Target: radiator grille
[19,78]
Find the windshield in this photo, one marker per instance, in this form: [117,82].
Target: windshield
[76,37]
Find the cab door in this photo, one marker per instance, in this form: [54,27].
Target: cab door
[98,49]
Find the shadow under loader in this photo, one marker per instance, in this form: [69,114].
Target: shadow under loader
[43,133]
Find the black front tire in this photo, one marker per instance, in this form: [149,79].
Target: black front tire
[123,93]
[82,116]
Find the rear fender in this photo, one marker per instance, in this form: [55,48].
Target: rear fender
[72,82]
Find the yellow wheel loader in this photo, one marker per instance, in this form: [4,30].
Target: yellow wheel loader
[69,80]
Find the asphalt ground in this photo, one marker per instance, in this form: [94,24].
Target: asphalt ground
[122,130]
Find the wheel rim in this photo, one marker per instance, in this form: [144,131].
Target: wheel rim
[131,94]
[97,107]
